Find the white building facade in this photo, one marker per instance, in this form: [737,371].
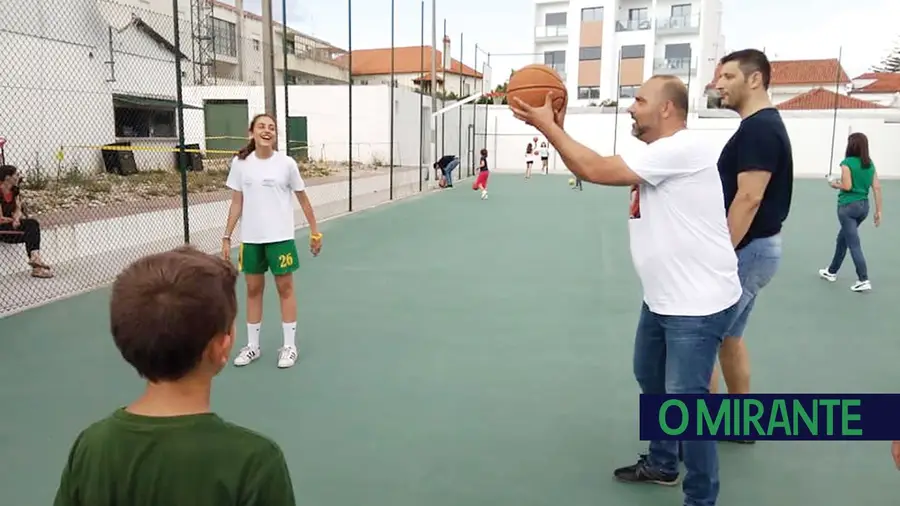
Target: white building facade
[605,49]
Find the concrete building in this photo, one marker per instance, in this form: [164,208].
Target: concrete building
[605,49]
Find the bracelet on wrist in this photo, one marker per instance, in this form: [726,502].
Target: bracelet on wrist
[226,237]
[316,237]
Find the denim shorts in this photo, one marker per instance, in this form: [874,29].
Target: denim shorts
[757,264]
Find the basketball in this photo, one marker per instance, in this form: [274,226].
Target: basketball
[531,83]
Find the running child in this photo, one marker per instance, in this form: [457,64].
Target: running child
[172,318]
[481,181]
[263,183]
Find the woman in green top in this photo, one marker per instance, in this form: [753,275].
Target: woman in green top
[857,177]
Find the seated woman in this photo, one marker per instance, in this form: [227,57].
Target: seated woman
[15,227]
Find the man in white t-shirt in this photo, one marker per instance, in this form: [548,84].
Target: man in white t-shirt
[682,253]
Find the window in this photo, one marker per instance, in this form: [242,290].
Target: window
[556,60]
[588,93]
[628,91]
[256,44]
[289,44]
[678,51]
[224,38]
[681,11]
[133,120]
[555,19]
[629,52]
[592,14]
[641,14]
[590,53]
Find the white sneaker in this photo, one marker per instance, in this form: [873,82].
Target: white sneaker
[827,276]
[484,195]
[861,286]
[246,355]
[287,357]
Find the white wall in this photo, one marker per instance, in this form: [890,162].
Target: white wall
[53,91]
[59,92]
[327,111]
[810,132]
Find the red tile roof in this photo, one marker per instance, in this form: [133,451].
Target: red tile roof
[883,82]
[407,60]
[822,99]
[801,72]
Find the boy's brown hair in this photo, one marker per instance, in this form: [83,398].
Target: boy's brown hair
[166,308]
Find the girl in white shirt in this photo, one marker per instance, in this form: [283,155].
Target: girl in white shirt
[544,153]
[264,183]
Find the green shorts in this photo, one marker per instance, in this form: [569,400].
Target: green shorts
[279,257]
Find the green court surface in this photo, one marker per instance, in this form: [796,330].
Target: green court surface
[464,352]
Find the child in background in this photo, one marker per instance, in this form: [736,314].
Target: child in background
[482,180]
[172,318]
[544,153]
[529,160]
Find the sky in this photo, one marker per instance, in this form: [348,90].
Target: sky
[861,31]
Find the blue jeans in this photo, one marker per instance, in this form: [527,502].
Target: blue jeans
[448,171]
[851,217]
[676,355]
[758,262]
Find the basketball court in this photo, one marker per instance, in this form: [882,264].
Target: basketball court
[455,352]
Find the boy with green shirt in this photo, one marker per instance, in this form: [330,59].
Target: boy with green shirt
[172,318]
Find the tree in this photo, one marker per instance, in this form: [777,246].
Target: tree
[891,63]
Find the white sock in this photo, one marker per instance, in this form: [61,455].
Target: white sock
[290,330]
[253,334]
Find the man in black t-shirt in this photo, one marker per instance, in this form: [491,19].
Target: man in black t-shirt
[757,171]
[446,165]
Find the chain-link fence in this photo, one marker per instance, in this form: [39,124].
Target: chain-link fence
[121,129]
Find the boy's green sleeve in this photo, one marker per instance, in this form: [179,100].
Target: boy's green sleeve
[271,485]
[66,494]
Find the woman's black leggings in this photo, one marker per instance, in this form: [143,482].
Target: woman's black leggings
[30,234]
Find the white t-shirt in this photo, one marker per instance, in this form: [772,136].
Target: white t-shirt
[680,242]
[268,186]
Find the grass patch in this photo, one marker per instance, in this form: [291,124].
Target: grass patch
[72,188]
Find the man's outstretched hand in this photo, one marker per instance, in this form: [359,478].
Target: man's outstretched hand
[539,117]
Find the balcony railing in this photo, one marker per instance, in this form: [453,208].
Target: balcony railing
[677,66]
[551,32]
[630,25]
[679,24]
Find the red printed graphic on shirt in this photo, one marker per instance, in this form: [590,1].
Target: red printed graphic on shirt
[634,212]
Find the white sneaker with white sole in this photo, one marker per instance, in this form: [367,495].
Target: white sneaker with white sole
[246,355]
[862,286]
[827,276]
[287,357]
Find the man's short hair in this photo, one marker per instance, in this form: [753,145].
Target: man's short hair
[750,61]
[675,91]
[166,308]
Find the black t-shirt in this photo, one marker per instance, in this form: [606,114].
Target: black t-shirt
[760,143]
[8,202]
[483,165]
[445,160]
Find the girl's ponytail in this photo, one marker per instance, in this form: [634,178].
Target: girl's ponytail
[246,150]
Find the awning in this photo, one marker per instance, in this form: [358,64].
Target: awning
[130,100]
